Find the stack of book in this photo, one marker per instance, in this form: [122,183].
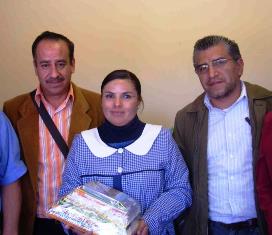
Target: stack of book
[98,208]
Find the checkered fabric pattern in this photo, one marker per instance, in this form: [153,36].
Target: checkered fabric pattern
[157,180]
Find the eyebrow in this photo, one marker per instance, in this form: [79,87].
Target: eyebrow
[219,58]
[62,60]
[44,61]
[48,61]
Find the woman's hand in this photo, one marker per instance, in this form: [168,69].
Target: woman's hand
[142,228]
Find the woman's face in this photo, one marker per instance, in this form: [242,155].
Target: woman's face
[120,101]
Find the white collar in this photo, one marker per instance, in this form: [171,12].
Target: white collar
[139,147]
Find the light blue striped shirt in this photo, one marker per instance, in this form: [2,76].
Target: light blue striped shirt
[230,171]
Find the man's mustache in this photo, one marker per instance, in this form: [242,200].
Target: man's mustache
[54,80]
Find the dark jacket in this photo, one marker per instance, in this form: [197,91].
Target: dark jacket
[86,113]
[191,134]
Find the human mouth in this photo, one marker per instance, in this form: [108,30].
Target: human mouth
[214,82]
[117,113]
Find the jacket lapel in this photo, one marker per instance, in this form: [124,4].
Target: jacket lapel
[257,109]
[80,120]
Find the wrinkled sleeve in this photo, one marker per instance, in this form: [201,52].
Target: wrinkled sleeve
[177,195]
[71,176]
[11,167]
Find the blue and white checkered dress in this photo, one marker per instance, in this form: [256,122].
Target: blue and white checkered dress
[152,171]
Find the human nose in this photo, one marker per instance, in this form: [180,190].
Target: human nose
[117,102]
[54,71]
[212,71]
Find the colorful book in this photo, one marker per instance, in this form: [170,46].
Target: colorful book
[98,208]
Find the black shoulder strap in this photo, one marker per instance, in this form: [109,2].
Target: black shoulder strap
[51,126]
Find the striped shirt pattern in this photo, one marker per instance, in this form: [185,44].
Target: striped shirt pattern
[230,171]
[51,160]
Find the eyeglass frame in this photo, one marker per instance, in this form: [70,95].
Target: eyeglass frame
[218,63]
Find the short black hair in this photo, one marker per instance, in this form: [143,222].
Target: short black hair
[47,35]
[213,40]
[123,74]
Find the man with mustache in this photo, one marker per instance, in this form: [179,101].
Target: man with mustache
[218,134]
[72,109]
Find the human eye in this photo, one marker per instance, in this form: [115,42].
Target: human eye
[44,65]
[61,65]
[219,62]
[127,96]
[202,68]
[108,96]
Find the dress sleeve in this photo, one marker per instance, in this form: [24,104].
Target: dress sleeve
[177,194]
[71,176]
[11,167]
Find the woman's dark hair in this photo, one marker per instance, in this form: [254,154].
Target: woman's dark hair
[123,74]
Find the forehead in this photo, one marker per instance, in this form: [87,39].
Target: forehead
[52,48]
[212,53]
[119,85]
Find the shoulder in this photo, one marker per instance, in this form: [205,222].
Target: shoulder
[78,145]
[257,92]
[90,94]
[156,133]
[87,94]
[16,101]
[165,137]
[192,107]
[17,106]
[3,117]
[88,136]
[4,122]
[166,132]
[186,113]
[88,100]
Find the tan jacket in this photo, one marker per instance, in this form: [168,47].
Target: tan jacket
[86,114]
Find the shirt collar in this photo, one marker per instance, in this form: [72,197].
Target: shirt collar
[139,147]
[39,96]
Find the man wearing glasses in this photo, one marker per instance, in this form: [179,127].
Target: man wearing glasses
[218,134]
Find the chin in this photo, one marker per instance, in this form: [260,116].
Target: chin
[217,94]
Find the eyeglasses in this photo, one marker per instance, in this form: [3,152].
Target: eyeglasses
[216,64]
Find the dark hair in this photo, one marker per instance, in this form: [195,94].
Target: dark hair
[123,74]
[213,40]
[47,35]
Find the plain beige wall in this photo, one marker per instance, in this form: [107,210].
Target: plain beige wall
[152,38]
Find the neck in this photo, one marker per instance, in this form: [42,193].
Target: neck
[115,134]
[55,100]
[223,103]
